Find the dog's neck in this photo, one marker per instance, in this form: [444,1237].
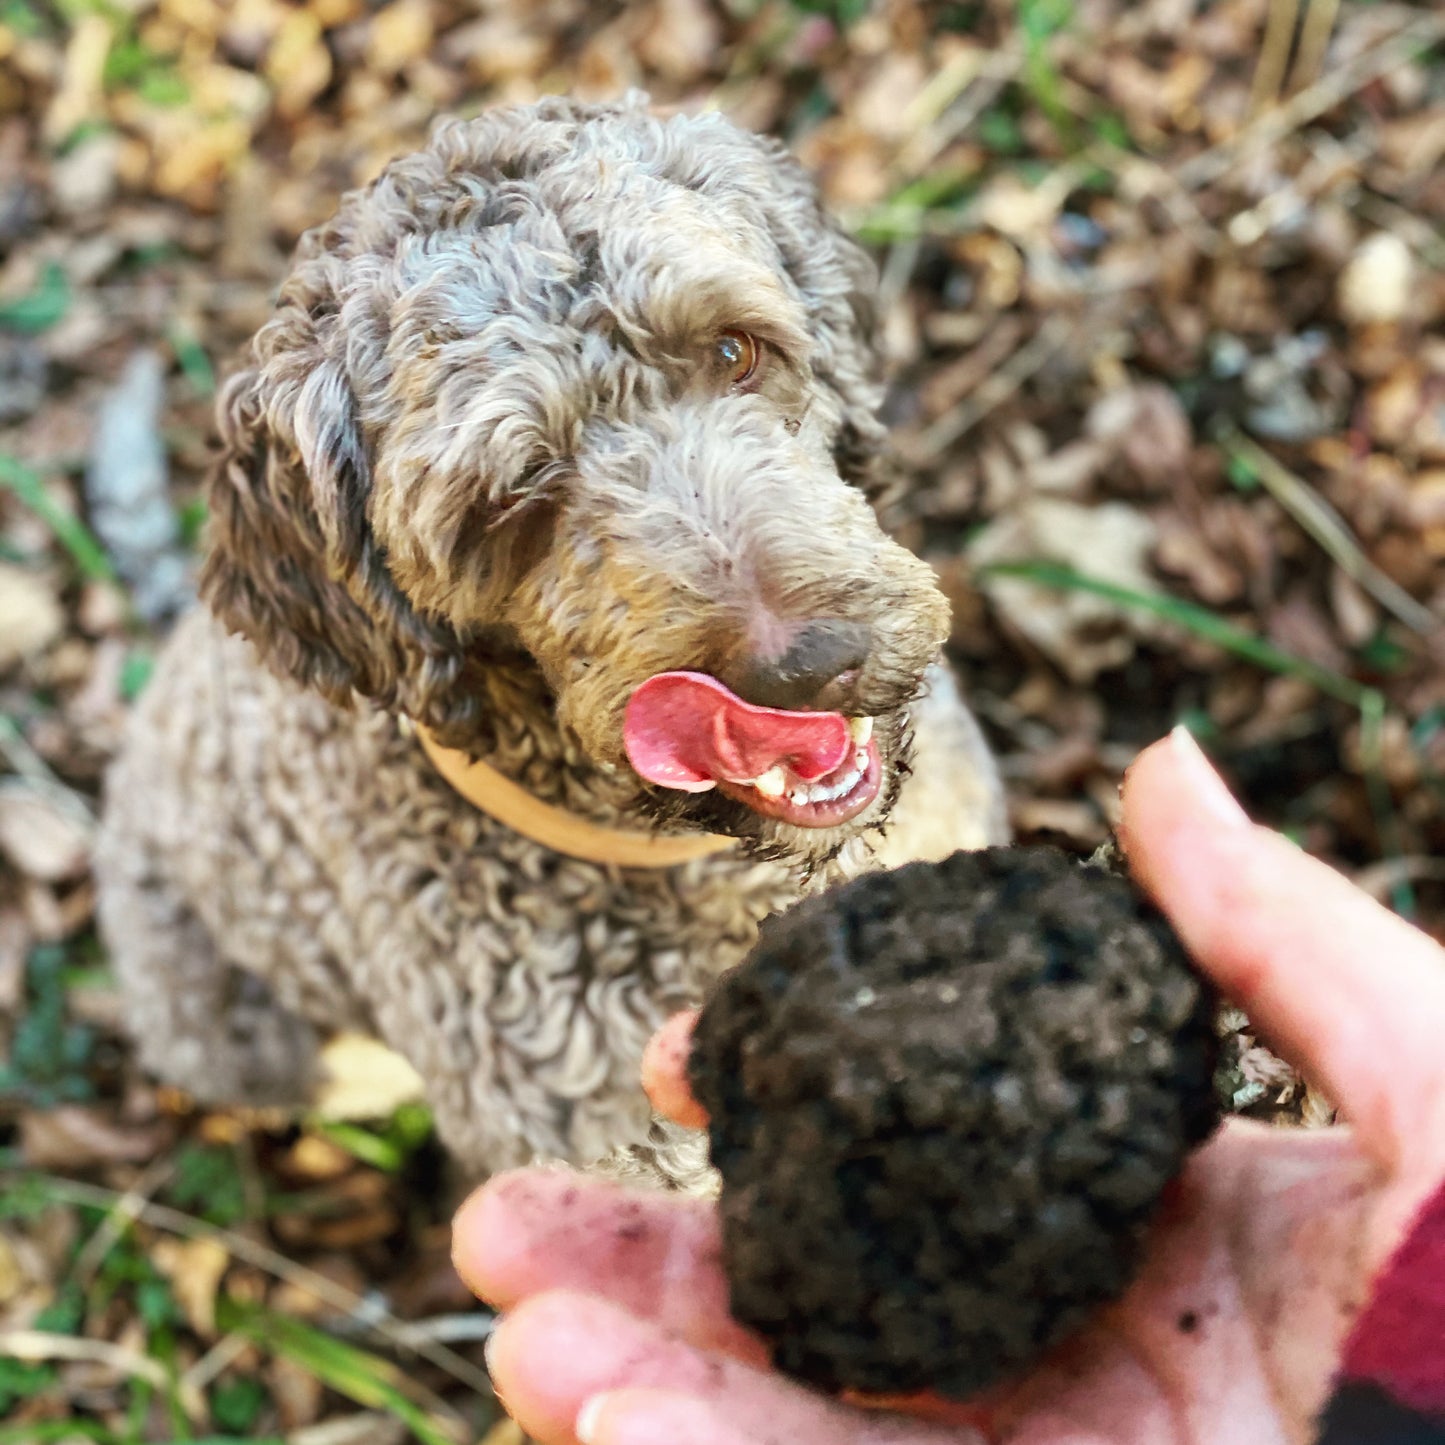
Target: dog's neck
[558,828]
[535,779]
[524,742]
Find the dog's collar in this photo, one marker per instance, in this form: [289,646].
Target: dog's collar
[496,795]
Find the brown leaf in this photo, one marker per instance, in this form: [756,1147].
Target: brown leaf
[1148,428]
[1299,625]
[1076,821]
[14,945]
[295,1299]
[681,40]
[348,1232]
[195,1268]
[298,63]
[12,1276]
[30,617]
[78,1136]
[297,1392]
[399,34]
[315,1160]
[363,1079]
[364,1429]
[41,840]
[1082,633]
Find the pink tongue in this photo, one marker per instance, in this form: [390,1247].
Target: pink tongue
[686,730]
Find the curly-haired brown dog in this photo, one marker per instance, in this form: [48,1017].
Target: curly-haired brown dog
[575,400]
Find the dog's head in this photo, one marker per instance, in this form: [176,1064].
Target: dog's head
[591,391]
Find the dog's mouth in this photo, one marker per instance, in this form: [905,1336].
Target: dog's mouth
[686,730]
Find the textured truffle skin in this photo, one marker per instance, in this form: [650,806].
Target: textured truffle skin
[944,1102]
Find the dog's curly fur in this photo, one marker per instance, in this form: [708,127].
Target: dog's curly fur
[483,471]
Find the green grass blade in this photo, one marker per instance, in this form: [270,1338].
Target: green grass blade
[361,1144]
[41,308]
[41,1432]
[1382,804]
[1193,618]
[70,532]
[364,1378]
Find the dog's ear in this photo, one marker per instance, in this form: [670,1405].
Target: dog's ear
[292,564]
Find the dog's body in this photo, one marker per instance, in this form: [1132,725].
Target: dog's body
[494,466]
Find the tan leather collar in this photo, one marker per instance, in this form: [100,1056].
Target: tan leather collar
[508,802]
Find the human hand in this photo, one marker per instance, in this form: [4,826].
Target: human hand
[618,1331]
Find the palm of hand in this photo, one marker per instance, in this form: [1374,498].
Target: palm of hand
[1260,1258]
[1230,1336]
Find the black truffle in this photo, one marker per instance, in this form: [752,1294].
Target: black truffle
[944,1102]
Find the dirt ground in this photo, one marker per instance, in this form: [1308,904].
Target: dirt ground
[1164,286]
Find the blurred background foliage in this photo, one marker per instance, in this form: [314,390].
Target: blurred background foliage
[1163,286]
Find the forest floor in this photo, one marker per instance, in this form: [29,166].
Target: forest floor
[1163,297]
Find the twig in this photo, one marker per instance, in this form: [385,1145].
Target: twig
[1355,194]
[1201,622]
[471,1326]
[224,1353]
[1273,55]
[39,1345]
[29,765]
[1314,40]
[260,1256]
[1323,95]
[1318,177]
[951,101]
[1423,238]
[1030,358]
[896,272]
[118,1219]
[1320,520]
[1381,880]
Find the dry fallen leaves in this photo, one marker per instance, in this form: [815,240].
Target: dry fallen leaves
[39,837]
[195,1268]
[1095,252]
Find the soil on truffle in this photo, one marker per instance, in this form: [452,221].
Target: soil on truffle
[944,1103]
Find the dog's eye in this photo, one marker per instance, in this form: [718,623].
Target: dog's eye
[738,353]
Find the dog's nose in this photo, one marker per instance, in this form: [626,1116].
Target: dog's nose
[820,655]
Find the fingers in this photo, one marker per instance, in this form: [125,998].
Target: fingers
[556,1353]
[1346,990]
[655,1255]
[670,1417]
[664,1072]
[653,1417]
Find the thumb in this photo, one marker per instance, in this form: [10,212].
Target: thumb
[664,1072]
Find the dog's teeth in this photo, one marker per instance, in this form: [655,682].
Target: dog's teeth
[772,784]
[799,795]
[860,760]
[819,793]
[860,729]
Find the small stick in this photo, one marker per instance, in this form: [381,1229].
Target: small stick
[1319,25]
[1273,55]
[1320,520]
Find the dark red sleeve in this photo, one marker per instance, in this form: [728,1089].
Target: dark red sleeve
[1391,1386]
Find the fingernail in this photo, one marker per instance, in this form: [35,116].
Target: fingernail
[588,1417]
[487,1346]
[1206,786]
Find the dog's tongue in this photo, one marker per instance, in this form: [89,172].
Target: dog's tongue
[686,730]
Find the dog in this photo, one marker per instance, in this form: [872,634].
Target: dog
[551,639]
